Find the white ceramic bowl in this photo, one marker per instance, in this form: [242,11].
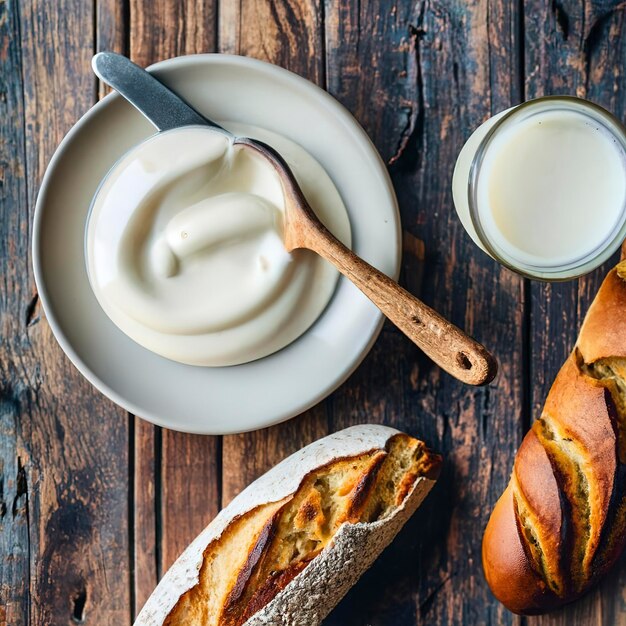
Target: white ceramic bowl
[229,399]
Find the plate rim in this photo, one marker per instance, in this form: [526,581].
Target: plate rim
[36,240]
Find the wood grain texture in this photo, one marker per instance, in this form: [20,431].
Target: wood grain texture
[576,48]
[419,78]
[189,490]
[288,33]
[111,31]
[184,469]
[161,29]
[144,501]
[16,303]
[73,443]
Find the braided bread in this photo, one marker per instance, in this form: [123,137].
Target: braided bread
[559,525]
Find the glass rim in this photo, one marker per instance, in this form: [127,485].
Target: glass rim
[563,271]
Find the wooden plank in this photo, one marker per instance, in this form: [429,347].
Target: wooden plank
[111,30]
[15,314]
[161,29]
[75,442]
[144,504]
[420,77]
[288,33]
[189,490]
[185,468]
[576,48]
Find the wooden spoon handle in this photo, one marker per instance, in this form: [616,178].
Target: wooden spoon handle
[447,345]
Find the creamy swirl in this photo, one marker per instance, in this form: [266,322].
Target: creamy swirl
[185,252]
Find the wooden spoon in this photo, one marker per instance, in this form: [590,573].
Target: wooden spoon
[443,342]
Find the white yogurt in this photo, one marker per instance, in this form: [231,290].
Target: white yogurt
[185,251]
[548,189]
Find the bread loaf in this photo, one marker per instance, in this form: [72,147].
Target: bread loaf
[559,526]
[288,548]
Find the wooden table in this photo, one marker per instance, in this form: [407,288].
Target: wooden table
[95,504]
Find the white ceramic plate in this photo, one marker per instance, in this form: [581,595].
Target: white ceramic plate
[229,399]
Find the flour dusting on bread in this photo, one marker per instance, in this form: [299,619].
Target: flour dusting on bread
[347,494]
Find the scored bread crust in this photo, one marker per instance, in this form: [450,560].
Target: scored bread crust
[558,527]
[329,575]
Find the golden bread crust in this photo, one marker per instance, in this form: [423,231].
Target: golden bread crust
[560,524]
[504,557]
[261,552]
[603,333]
[537,505]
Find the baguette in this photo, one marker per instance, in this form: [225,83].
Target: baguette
[559,526]
[288,548]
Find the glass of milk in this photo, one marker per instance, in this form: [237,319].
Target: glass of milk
[541,187]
